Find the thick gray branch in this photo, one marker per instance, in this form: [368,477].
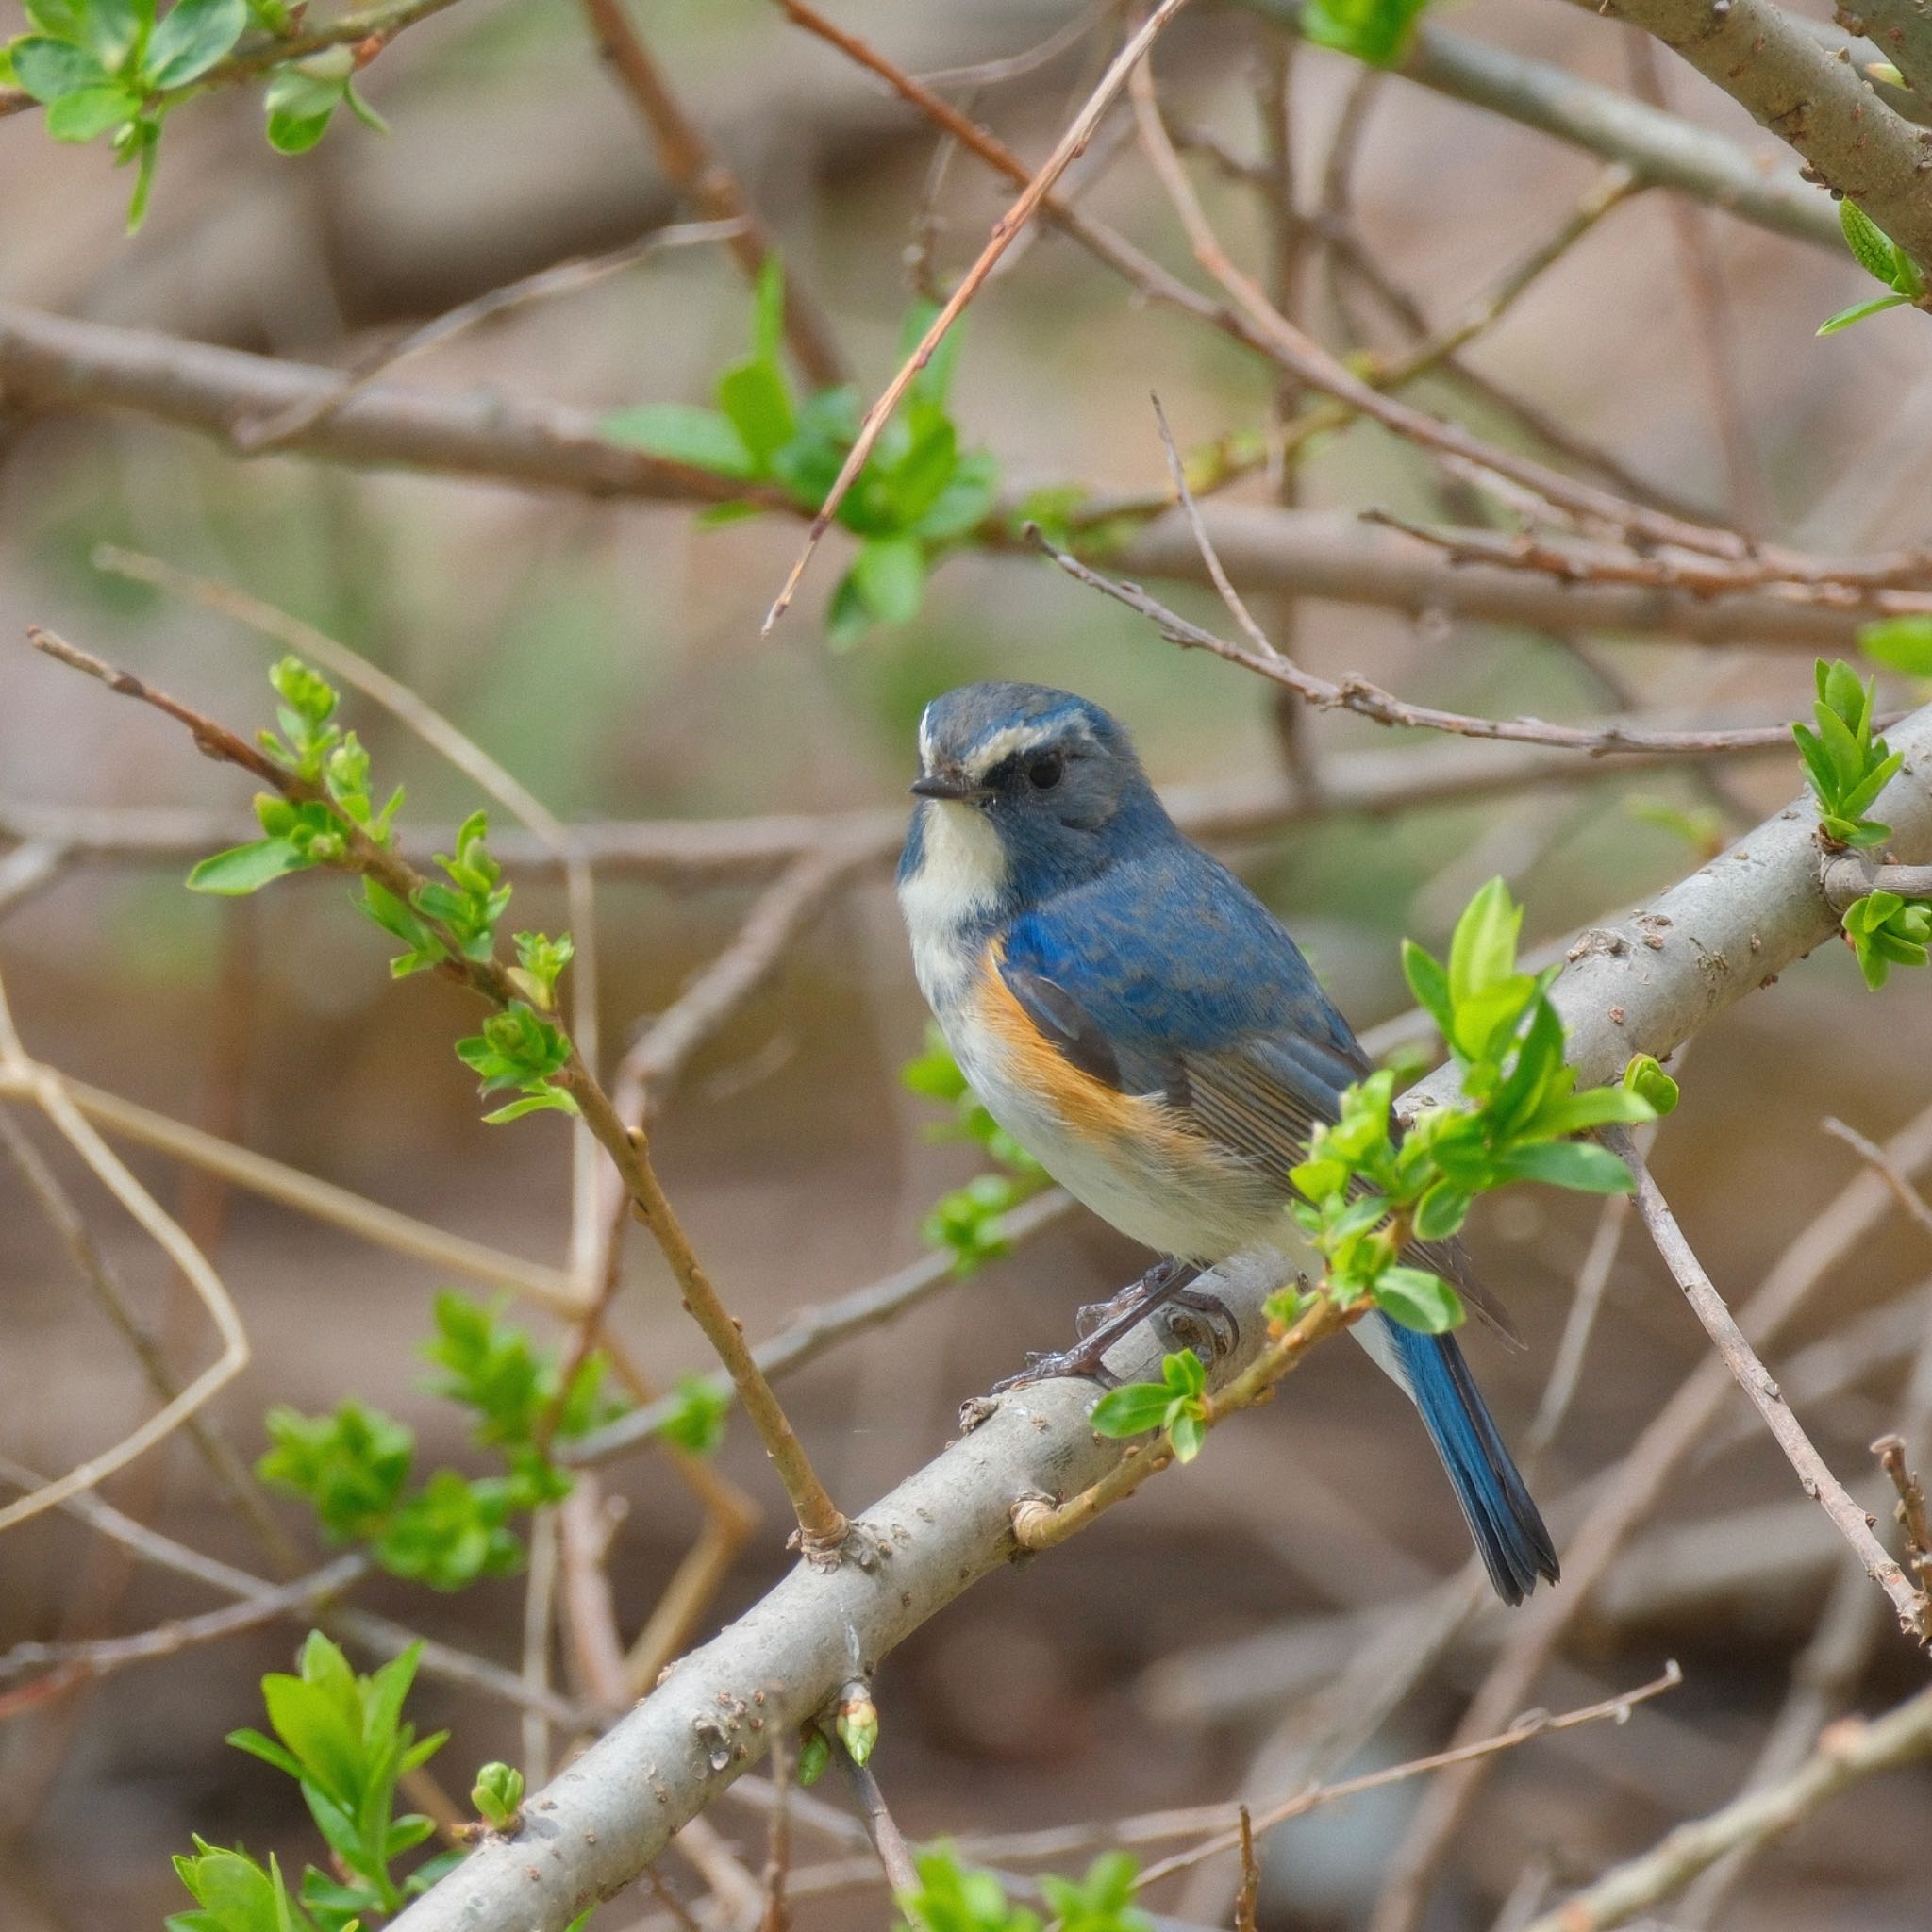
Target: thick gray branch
[55,363]
[1902,32]
[1824,107]
[1661,150]
[1728,928]
[1649,983]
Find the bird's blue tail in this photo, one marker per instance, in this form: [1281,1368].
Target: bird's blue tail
[1508,1532]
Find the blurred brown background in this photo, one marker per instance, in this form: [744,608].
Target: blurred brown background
[609,656]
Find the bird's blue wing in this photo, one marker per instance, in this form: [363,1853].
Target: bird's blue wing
[1168,977]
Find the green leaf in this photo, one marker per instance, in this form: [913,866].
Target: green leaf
[1187,1434]
[696,1425]
[683,433]
[1440,1212]
[498,1795]
[1870,247]
[244,869]
[111,29]
[551,1100]
[1376,31]
[1645,1077]
[1859,311]
[1417,1299]
[889,575]
[1133,1408]
[1570,1164]
[91,111]
[1428,983]
[191,38]
[755,399]
[1482,954]
[48,68]
[300,104]
[1900,644]
[768,310]
[61,19]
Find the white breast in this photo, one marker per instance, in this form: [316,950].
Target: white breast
[962,869]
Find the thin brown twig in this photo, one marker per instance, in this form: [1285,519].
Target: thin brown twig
[441,736]
[1850,1751]
[251,435]
[1912,1516]
[1659,1449]
[1841,582]
[1248,1894]
[1867,1149]
[1913,1605]
[1039,1523]
[823,1527]
[1533,1723]
[895,1857]
[1371,701]
[1301,356]
[702,176]
[62,1666]
[379,1635]
[777,1914]
[232,1478]
[1010,225]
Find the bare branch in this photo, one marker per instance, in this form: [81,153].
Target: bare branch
[1851,1751]
[1914,1608]
[704,180]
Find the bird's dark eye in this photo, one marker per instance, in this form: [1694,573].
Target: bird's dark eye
[1044,774]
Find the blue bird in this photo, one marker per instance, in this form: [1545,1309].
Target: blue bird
[1140,1022]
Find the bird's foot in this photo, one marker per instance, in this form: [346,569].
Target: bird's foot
[1194,1320]
[1202,1321]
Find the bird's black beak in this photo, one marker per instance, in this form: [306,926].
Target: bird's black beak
[955,786]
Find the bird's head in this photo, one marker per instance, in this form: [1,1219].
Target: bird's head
[1044,783]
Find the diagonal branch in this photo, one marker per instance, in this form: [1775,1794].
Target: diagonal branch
[1768,61]
[1914,1608]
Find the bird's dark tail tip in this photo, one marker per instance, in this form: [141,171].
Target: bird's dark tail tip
[1509,1531]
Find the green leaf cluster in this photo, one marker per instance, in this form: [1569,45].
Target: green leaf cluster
[310,747]
[1375,31]
[443,923]
[1370,1191]
[1178,1402]
[966,1221]
[111,67]
[353,1466]
[919,493]
[1847,765]
[1886,930]
[1879,255]
[953,1897]
[120,67]
[342,1738]
[498,1796]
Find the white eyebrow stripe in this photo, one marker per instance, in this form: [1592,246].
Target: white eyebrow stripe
[991,751]
[926,739]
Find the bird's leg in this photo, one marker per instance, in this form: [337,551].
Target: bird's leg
[1167,1281]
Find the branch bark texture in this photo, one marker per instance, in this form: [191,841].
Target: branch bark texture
[1765,58]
